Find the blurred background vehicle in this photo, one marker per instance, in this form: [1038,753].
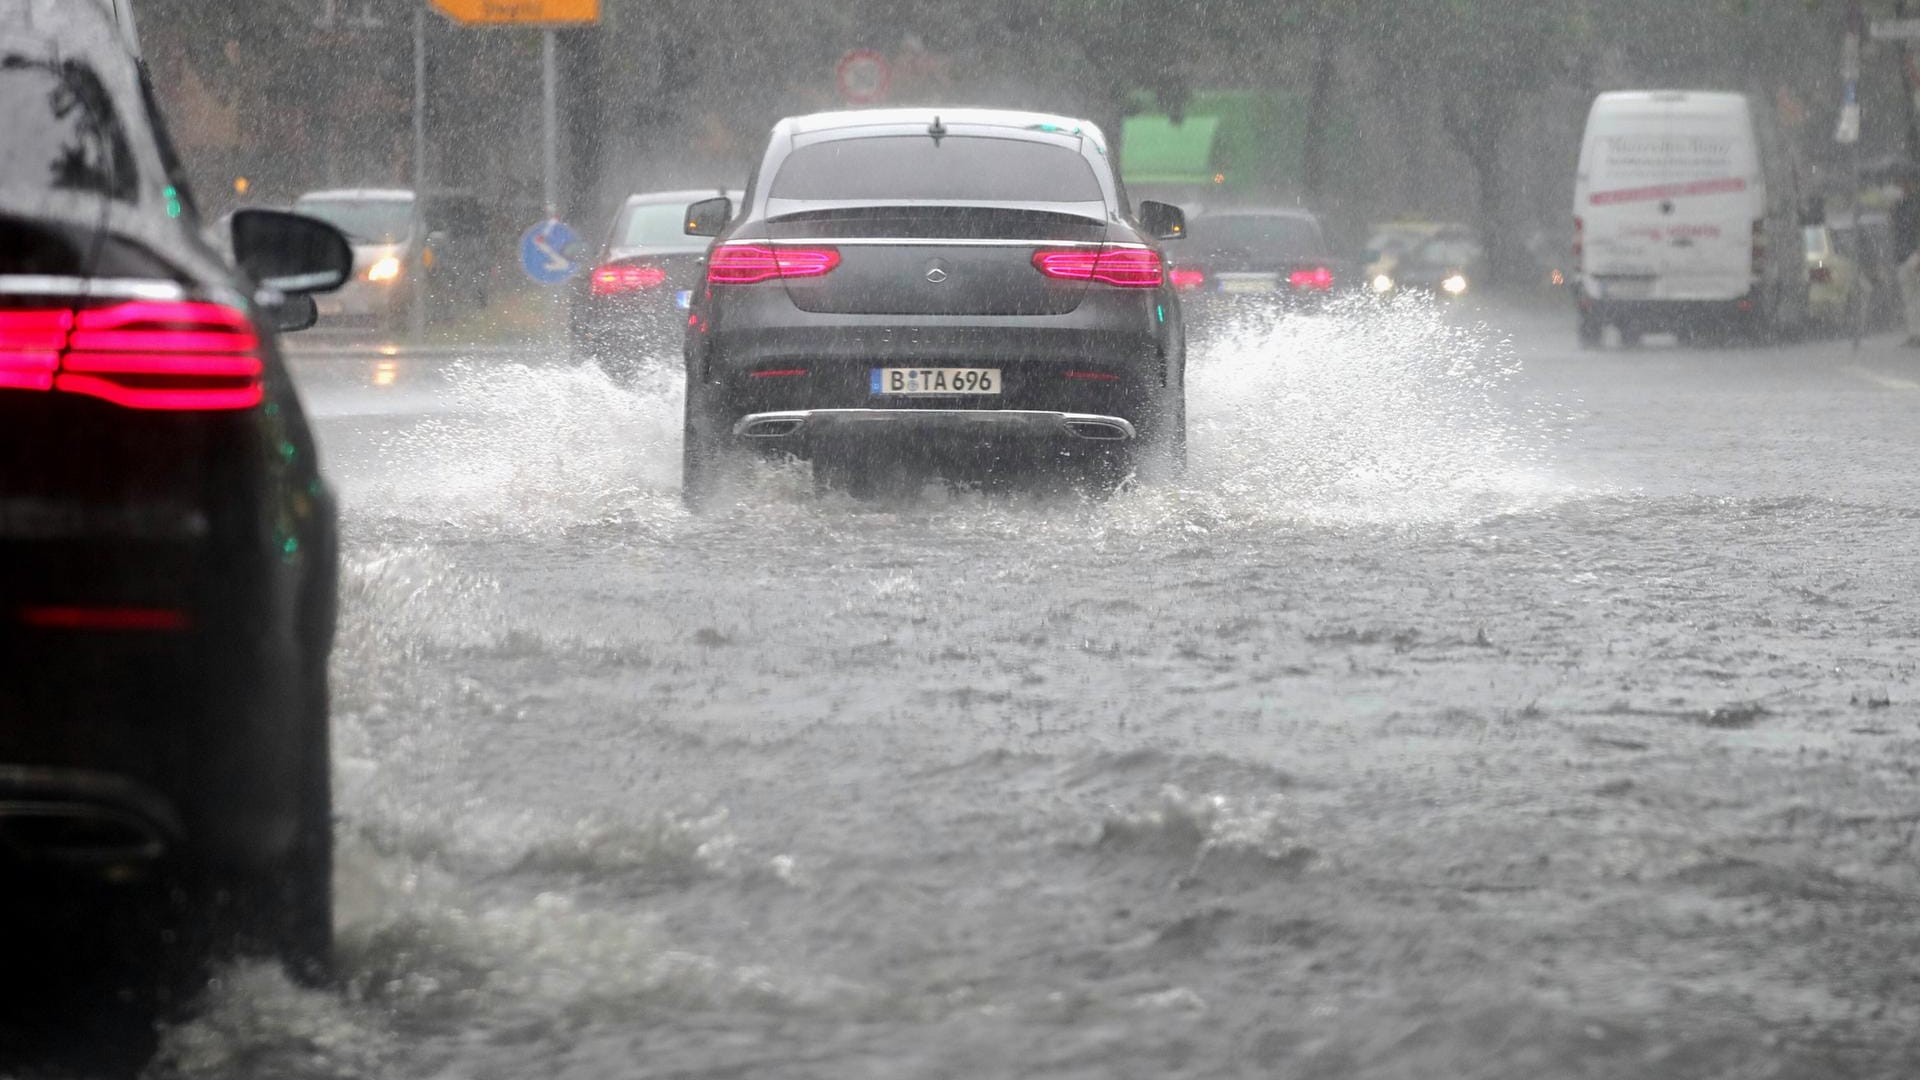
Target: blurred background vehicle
[1833,276]
[1260,254]
[407,251]
[1449,264]
[632,306]
[1390,243]
[1687,215]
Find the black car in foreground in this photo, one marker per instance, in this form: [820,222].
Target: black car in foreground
[1232,258]
[958,289]
[167,546]
[631,310]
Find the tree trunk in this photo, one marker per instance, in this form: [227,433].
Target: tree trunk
[1479,134]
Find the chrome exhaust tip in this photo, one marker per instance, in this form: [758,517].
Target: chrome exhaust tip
[770,425]
[79,835]
[1098,428]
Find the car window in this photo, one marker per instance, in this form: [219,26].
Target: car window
[1274,235]
[372,221]
[655,225]
[62,131]
[956,167]
[1448,251]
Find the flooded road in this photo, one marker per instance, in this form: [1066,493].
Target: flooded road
[1477,707]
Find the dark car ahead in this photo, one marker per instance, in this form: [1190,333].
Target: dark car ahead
[1256,255]
[1448,264]
[167,543]
[957,288]
[631,309]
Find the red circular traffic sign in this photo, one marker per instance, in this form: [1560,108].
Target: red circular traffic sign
[863,76]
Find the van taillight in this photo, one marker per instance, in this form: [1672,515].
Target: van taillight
[749,264]
[1579,237]
[142,354]
[1127,268]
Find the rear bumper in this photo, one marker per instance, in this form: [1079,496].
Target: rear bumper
[808,424]
[1661,315]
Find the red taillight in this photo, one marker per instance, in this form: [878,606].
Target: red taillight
[778,373]
[1579,237]
[1185,278]
[103,618]
[1094,376]
[163,355]
[30,344]
[1318,279]
[142,354]
[750,264]
[1124,267]
[616,278]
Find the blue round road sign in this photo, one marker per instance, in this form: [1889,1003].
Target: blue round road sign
[544,252]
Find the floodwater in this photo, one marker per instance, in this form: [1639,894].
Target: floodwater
[1476,708]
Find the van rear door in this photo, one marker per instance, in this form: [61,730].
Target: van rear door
[1669,204]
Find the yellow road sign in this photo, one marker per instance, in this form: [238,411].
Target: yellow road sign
[515,12]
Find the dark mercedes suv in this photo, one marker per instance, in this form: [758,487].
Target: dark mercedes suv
[166,541]
[958,288]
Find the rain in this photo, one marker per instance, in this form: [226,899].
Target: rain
[1515,679]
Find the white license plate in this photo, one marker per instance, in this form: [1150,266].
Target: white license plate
[1629,289]
[683,299]
[1255,283]
[934,382]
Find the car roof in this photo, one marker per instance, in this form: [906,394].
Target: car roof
[80,26]
[1297,212]
[1684,102]
[643,198]
[368,194]
[1010,119]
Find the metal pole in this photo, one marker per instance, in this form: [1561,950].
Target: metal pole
[550,121]
[416,275]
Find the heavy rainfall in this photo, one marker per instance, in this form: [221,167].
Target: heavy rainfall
[1080,538]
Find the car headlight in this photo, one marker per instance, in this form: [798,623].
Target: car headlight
[1382,283]
[386,269]
[1454,284]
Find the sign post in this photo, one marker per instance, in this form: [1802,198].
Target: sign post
[546,14]
[1848,135]
[417,314]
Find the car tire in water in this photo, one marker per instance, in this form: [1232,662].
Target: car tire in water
[1591,331]
[284,909]
[705,460]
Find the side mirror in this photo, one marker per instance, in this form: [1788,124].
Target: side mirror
[289,253]
[709,217]
[295,311]
[1164,221]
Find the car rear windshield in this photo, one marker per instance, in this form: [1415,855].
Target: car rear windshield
[655,225]
[365,221]
[973,169]
[62,132]
[1283,236]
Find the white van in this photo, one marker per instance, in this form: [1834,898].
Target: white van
[1685,219]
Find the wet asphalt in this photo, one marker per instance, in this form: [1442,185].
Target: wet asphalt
[1476,707]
